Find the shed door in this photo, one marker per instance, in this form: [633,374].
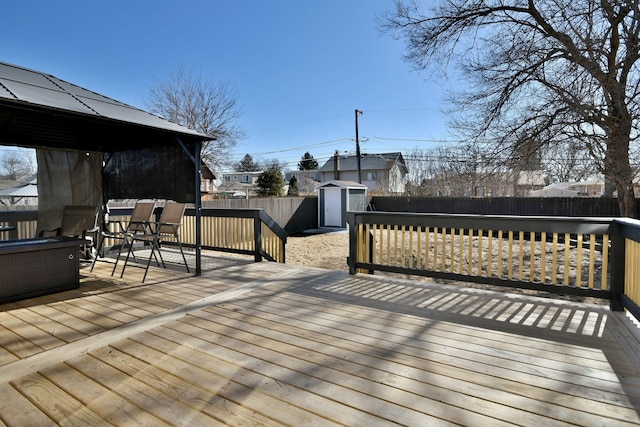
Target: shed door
[332,207]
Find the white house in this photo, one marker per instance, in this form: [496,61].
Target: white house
[239,183]
[384,173]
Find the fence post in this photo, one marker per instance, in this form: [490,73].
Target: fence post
[618,253]
[257,235]
[353,242]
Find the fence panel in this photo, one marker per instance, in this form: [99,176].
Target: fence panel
[529,206]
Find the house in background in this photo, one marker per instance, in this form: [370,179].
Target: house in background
[307,179]
[239,184]
[15,193]
[484,184]
[384,173]
[589,188]
[207,183]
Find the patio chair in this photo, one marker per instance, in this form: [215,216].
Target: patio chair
[139,223]
[167,228]
[78,221]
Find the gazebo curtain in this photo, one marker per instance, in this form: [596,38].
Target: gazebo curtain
[66,178]
[164,172]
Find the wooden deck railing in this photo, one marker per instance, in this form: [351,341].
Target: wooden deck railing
[23,224]
[627,263]
[242,231]
[598,257]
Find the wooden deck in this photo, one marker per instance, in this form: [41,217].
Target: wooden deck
[272,344]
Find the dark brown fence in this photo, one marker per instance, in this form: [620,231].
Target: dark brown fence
[550,206]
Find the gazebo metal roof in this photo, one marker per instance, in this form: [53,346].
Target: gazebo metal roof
[41,110]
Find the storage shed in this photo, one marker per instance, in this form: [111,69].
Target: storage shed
[336,198]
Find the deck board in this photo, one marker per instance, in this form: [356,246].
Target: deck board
[440,346]
[359,349]
[269,344]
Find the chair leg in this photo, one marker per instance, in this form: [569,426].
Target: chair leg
[126,260]
[183,257]
[98,253]
[154,245]
[157,245]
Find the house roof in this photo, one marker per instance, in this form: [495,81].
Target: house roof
[27,190]
[380,161]
[38,109]
[206,172]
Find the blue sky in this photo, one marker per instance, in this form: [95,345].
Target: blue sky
[300,68]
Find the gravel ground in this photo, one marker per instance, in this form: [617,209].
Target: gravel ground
[325,250]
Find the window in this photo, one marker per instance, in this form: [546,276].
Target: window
[227,179]
[370,176]
[245,178]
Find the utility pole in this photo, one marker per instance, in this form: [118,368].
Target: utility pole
[358,149]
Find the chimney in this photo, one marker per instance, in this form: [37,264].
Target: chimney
[336,166]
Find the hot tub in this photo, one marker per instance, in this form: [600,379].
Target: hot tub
[31,267]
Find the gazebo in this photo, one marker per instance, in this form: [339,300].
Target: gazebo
[91,148]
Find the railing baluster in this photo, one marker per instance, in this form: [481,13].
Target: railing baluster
[567,257]
[510,260]
[554,265]
[480,252]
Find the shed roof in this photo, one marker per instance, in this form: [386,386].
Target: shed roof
[340,184]
[38,109]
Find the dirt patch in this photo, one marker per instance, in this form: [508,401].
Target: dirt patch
[325,250]
[330,251]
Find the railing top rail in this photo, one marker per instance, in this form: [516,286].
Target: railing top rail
[630,228]
[553,224]
[279,231]
[223,212]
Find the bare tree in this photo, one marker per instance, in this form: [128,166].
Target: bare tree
[537,72]
[188,99]
[17,163]
[568,163]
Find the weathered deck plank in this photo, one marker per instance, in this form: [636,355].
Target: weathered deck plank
[267,344]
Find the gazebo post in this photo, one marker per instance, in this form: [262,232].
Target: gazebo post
[196,159]
[198,174]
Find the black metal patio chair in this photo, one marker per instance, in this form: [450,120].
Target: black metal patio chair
[139,223]
[167,228]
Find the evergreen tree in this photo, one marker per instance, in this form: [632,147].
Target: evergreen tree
[293,187]
[270,182]
[307,162]
[247,165]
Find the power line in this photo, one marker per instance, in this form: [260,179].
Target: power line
[304,147]
[417,140]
